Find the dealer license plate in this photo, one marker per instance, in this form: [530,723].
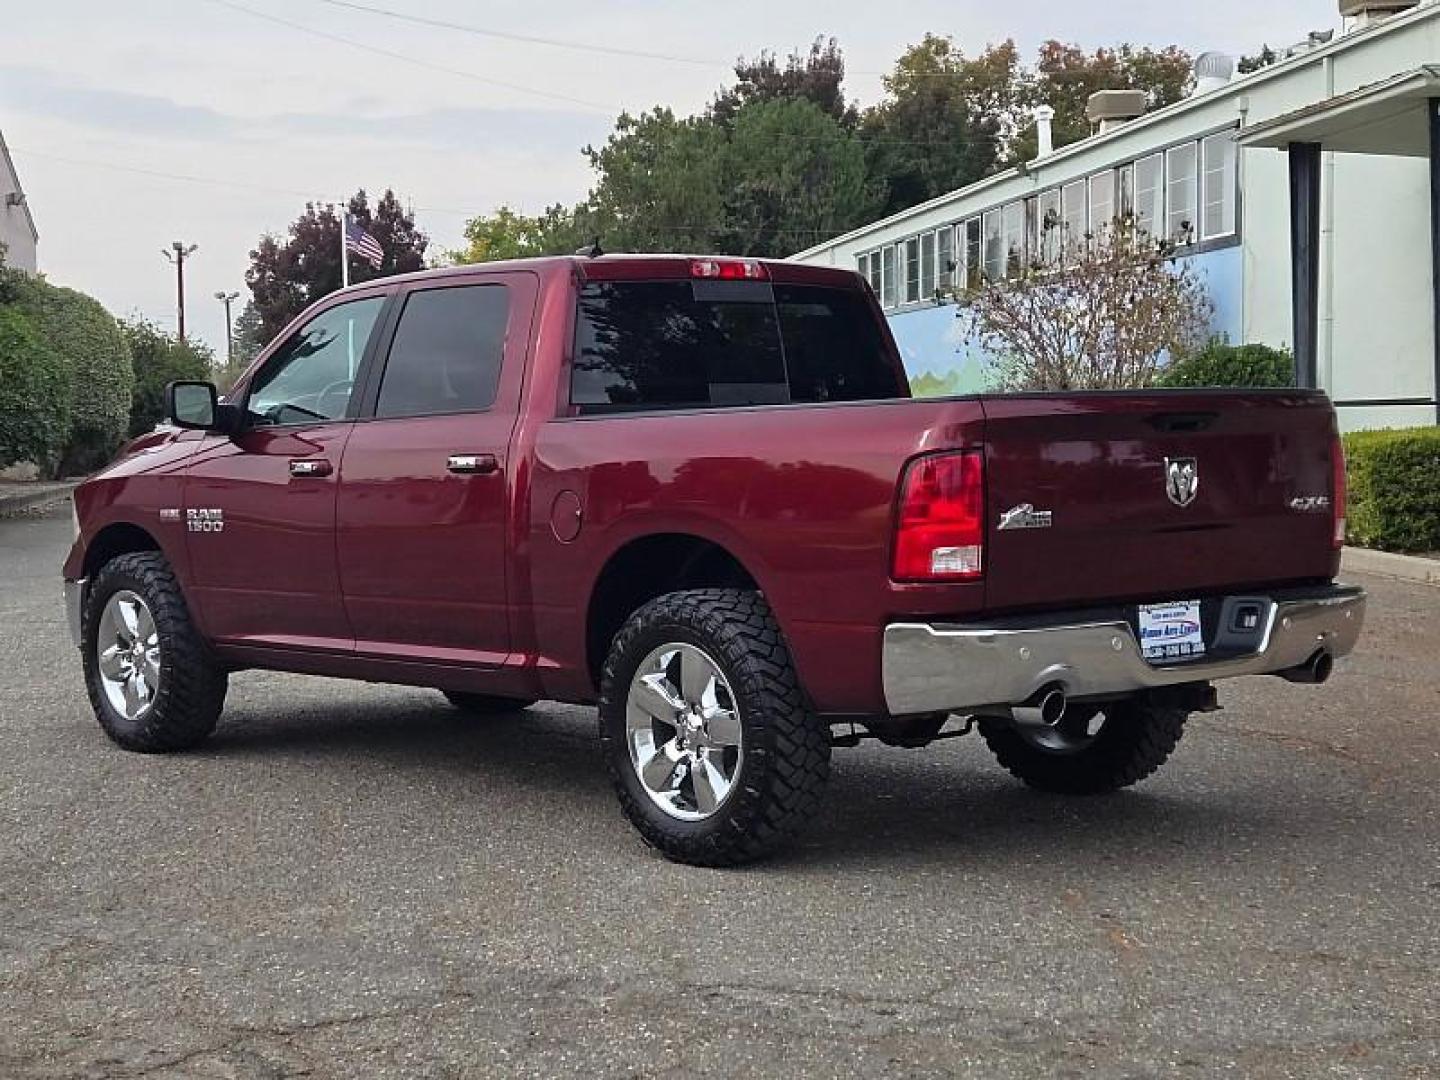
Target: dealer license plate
[1171,631]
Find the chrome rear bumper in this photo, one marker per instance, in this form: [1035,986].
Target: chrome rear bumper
[957,667]
[74,604]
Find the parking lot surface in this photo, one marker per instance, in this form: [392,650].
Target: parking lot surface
[355,880]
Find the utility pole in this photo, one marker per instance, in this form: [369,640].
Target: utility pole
[177,254]
[228,298]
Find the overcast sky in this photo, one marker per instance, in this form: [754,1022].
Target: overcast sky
[456,123]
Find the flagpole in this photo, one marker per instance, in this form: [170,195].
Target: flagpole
[344,251]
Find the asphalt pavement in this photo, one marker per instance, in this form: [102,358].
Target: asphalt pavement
[356,880]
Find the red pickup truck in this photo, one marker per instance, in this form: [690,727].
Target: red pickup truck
[696,492]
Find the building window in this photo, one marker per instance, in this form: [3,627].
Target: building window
[1218,212]
[994,246]
[1013,224]
[862,266]
[1149,197]
[1102,203]
[1125,192]
[1072,221]
[887,266]
[912,270]
[1047,243]
[875,282]
[973,253]
[1180,167]
[927,266]
[945,256]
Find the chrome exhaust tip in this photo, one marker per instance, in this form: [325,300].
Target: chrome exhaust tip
[1044,708]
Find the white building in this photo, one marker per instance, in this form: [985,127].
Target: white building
[17,227]
[1309,192]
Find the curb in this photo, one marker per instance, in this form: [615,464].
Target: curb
[32,495]
[1390,565]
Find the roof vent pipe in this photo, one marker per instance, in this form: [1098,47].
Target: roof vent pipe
[1212,71]
[1044,138]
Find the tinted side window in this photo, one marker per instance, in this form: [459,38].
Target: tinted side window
[447,352]
[676,344]
[311,376]
[834,350]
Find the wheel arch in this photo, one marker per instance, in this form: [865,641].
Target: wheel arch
[645,567]
[114,539]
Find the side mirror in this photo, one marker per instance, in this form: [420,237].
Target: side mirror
[193,405]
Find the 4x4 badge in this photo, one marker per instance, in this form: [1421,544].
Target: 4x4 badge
[1182,480]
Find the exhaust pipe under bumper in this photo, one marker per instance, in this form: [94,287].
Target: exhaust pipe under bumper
[1042,709]
[1315,670]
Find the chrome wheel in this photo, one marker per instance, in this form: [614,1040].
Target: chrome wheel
[127,647]
[683,731]
[1078,728]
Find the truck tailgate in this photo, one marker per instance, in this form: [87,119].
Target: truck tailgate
[1155,496]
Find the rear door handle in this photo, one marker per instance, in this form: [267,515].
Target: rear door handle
[310,467]
[473,463]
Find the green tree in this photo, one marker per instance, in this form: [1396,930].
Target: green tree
[508,234]
[817,77]
[1066,75]
[99,375]
[159,358]
[288,274]
[944,122]
[796,177]
[661,184]
[34,397]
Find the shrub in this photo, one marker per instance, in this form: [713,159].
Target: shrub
[1222,364]
[82,333]
[158,359]
[1394,501]
[34,417]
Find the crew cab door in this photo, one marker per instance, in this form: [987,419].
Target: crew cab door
[260,504]
[426,480]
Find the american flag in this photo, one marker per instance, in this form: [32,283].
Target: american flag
[363,244]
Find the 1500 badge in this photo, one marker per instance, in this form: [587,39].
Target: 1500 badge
[207,521]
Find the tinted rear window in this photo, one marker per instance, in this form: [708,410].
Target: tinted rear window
[709,344]
[447,352]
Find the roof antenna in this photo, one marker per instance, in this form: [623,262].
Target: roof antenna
[591,252]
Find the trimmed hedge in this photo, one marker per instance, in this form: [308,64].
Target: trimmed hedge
[84,335]
[1223,364]
[1394,496]
[34,397]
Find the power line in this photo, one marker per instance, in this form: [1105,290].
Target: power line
[589,105]
[527,39]
[590,47]
[309,196]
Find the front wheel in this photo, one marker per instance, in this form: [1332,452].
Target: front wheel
[1092,750]
[714,754]
[152,681]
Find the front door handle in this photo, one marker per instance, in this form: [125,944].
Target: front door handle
[473,463]
[310,467]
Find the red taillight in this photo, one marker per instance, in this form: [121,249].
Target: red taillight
[1337,492]
[940,528]
[729,269]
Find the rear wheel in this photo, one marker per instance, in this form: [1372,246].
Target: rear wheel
[152,681]
[712,749]
[486,704]
[1093,749]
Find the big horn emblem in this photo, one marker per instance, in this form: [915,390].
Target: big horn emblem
[1182,480]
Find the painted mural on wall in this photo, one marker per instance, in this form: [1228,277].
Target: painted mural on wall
[941,362]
